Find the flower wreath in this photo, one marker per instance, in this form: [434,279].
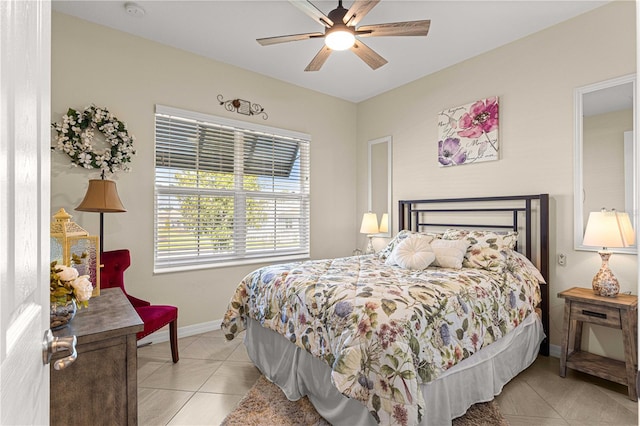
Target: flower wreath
[75,137]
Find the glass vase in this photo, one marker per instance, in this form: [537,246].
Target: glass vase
[61,314]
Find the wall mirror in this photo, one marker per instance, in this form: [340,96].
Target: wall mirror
[380,182]
[605,165]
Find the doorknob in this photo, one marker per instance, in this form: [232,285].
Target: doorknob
[51,345]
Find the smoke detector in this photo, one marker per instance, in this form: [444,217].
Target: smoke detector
[134,10]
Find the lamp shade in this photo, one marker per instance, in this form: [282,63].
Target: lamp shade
[609,229]
[102,196]
[384,223]
[624,222]
[369,224]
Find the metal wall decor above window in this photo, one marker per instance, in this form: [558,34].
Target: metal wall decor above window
[228,192]
[243,107]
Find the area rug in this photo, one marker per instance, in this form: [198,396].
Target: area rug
[266,405]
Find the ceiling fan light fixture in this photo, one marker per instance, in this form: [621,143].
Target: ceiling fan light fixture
[339,39]
[341,30]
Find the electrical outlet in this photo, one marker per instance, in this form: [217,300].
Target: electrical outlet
[562,259]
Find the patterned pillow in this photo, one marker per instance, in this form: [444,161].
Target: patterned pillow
[414,253]
[484,247]
[449,253]
[526,264]
[386,252]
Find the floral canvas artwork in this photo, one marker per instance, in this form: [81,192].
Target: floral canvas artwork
[468,133]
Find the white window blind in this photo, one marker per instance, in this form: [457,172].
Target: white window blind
[227,192]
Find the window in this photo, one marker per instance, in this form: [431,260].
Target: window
[228,192]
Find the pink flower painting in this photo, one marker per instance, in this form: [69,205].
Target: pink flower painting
[468,133]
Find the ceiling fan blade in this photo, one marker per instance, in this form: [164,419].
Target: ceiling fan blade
[367,54]
[319,60]
[410,28]
[358,10]
[283,39]
[310,10]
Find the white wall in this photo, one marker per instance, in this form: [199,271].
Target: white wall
[129,75]
[534,78]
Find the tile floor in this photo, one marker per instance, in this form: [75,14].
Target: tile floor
[213,375]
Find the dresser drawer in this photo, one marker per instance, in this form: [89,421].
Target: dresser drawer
[596,314]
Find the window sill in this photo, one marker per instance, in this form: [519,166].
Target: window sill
[233,263]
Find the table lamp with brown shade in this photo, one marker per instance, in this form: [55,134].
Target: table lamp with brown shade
[607,229]
[101,197]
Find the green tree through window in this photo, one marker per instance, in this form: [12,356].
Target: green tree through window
[212,217]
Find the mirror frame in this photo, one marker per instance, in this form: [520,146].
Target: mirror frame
[388,140]
[578,189]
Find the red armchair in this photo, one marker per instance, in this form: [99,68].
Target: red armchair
[154,316]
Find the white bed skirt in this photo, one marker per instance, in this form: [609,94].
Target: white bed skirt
[476,379]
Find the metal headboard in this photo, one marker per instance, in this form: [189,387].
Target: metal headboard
[505,212]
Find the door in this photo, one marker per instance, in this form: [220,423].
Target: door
[25,49]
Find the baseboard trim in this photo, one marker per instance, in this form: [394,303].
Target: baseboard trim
[554,351]
[162,335]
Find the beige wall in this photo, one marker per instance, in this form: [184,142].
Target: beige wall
[129,75]
[534,78]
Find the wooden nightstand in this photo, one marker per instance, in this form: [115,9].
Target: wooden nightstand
[583,305]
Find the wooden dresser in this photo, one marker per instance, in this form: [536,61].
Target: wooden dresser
[100,387]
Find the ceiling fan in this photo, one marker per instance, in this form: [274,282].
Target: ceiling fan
[340,32]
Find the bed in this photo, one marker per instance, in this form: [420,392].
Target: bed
[380,339]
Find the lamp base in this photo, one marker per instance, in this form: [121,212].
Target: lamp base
[370,249]
[604,282]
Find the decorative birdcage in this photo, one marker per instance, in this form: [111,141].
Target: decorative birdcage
[71,245]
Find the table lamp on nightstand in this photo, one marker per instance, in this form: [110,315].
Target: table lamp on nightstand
[384,223]
[369,226]
[607,229]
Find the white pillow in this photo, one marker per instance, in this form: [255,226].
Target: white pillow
[414,253]
[450,253]
[403,236]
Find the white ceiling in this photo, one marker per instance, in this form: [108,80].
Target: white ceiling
[227,30]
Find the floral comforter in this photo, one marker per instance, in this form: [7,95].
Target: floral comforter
[382,329]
